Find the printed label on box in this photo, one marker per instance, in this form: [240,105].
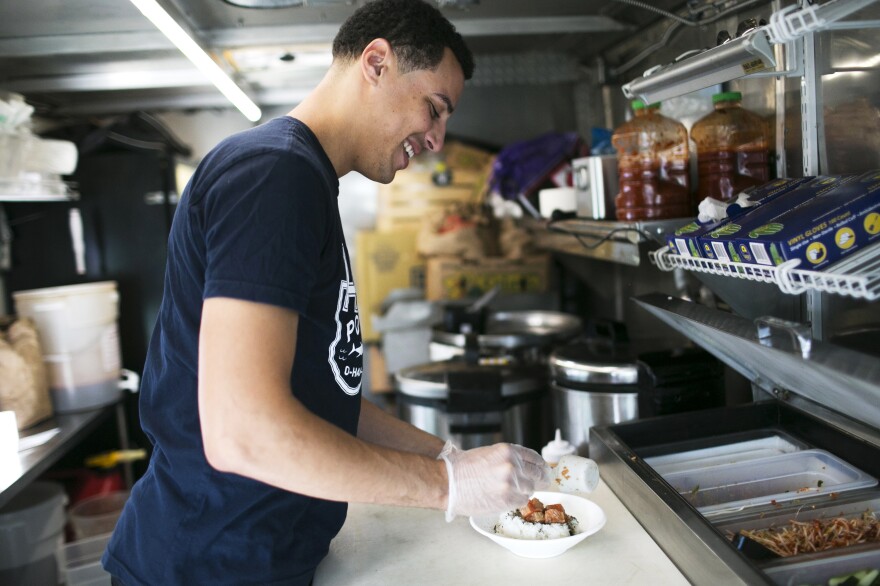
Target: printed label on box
[720,253]
[760,254]
[681,245]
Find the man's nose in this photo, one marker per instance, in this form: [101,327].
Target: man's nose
[435,137]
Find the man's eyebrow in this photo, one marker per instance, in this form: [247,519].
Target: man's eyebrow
[449,107]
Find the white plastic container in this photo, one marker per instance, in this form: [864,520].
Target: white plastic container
[83,559]
[80,339]
[576,474]
[722,455]
[8,439]
[32,535]
[800,475]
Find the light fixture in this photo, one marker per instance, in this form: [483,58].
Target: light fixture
[750,53]
[185,43]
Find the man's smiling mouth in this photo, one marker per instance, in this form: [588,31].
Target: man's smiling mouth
[410,151]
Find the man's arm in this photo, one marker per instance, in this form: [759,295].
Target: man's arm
[378,427]
[253,426]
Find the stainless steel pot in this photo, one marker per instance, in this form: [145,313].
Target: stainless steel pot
[475,405]
[592,383]
[523,336]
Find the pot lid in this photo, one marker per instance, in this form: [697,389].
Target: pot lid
[431,381]
[517,329]
[593,362]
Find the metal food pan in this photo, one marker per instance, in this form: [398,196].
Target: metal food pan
[850,506]
[820,571]
[796,476]
[738,450]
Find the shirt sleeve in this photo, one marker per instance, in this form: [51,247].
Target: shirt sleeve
[265,224]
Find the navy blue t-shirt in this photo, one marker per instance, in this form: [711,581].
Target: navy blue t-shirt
[258,221]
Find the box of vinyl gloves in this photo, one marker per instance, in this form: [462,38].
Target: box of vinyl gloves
[821,231]
[685,240]
[726,242]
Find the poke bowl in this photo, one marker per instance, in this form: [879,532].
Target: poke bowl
[590,519]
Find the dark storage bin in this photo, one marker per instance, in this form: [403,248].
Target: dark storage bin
[683,379]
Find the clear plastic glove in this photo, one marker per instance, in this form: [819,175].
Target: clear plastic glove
[492,479]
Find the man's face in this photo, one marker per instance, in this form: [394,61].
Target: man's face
[415,107]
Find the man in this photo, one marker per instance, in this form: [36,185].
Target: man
[251,391]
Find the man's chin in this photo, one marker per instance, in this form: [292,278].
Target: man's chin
[384,176]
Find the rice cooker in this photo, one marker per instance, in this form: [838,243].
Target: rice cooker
[520,336]
[592,382]
[476,404]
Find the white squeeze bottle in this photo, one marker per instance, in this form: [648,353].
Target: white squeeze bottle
[556,449]
[571,473]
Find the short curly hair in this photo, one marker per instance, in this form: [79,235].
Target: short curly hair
[418,34]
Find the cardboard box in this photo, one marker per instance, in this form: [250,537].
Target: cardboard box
[722,244]
[460,156]
[384,261]
[380,381]
[453,278]
[821,231]
[404,207]
[685,240]
[406,201]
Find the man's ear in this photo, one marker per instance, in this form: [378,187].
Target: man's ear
[376,59]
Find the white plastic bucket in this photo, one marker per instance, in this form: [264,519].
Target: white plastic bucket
[32,535]
[79,335]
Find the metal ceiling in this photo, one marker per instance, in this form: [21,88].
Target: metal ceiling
[102,56]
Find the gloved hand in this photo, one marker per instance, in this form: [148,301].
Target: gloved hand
[492,479]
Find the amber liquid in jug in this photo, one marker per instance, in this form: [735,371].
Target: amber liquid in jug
[652,155]
[732,149]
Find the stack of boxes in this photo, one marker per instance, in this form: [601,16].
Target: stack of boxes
[688,240]
[387,257]
[815,220]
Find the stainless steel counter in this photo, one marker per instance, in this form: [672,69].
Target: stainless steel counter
[72,427]
[382,545]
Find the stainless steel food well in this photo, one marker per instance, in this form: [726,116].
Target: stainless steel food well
[825,399]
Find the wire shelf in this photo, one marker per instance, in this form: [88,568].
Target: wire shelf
[857,276]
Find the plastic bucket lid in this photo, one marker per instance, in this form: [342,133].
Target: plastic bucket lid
[31,525]
[70,305]
[66,290]
[71,318]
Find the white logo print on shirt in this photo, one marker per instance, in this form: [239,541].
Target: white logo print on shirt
[347,350]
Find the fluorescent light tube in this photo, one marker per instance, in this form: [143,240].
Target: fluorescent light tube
[175,33]
[747,54]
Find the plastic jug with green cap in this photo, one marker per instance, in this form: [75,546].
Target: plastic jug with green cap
[733,149]
[652,160]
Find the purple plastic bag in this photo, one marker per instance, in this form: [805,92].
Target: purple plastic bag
[523,167]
